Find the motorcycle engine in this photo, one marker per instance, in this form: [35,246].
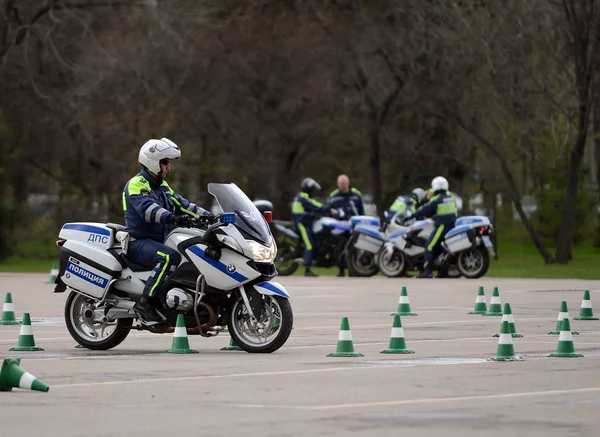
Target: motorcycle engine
[179,300]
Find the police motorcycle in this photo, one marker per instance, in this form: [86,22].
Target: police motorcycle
[225,279]
[465,250]
[364,245]
[331,235]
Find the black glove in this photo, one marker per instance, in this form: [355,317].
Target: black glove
[182,221]
[211,218]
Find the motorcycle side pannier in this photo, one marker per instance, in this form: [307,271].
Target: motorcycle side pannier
[87,269]
[368,239]
[459,238]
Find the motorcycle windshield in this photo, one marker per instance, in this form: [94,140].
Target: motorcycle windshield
[249,220]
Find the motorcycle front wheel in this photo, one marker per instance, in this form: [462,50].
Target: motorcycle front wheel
[285,263]
[265,334]
[392,265]
[361,263]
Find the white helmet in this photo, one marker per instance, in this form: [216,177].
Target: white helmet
[439,183]
[419,194]
[153,151]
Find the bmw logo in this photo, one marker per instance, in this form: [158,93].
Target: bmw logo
[231,268]
[68,275]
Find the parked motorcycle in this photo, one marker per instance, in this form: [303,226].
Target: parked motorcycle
[465,250]
[224,279]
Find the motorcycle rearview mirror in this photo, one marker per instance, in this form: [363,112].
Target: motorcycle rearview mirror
[228,217]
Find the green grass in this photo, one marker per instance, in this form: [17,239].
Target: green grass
[522,260]
[517,258]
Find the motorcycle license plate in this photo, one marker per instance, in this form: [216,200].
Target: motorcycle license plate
[487,242]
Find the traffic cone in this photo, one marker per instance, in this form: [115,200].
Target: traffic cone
[480,306]
[26,341]
[233,346]
[345,347]
[397,342]
[506,351]
[508,317]
[562,314]
[8,312]
[403,305]
[53,273]
[495,308]
[12,375]
[566,348]
[180,344]
[586,312]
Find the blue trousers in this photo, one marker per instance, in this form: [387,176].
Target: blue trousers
[434,241]
[309,240]
[152,253]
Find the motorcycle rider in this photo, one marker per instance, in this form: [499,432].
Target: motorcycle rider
[406,203]
[350,201]
[442,208]
[149,205]
[303,210]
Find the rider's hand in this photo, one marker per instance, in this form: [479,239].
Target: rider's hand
[211,218]
[182,221]
[334,212]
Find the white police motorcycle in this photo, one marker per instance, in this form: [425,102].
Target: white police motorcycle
[224,279]
[465,250]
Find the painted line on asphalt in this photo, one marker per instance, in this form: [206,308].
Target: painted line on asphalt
[425,400]
[243,375]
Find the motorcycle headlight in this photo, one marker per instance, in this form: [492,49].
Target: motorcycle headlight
[262,253]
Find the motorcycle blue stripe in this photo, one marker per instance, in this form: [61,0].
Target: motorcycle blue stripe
[217,265]
[369,231]
[458,230]
[272,287]
[87,228]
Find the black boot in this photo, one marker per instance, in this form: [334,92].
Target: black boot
[442,273]
[341,273]
[145,308]
[427,273]
[309,272]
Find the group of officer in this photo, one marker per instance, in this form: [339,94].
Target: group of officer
[151,208]
[436,203]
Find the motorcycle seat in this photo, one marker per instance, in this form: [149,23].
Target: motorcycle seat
[135,267]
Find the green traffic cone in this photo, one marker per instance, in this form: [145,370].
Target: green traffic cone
[8,312]
[495,308]
[53,273]
[480,306]
[397,341]
[345,346]
[586,312]
[403,305]
[506,350]
[180,344]
[562,314]
[508,317]
[233,346]
[566,348]
[26,341]
[13,376]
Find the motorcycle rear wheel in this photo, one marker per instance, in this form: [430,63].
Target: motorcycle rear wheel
[473,263]
[85,332]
